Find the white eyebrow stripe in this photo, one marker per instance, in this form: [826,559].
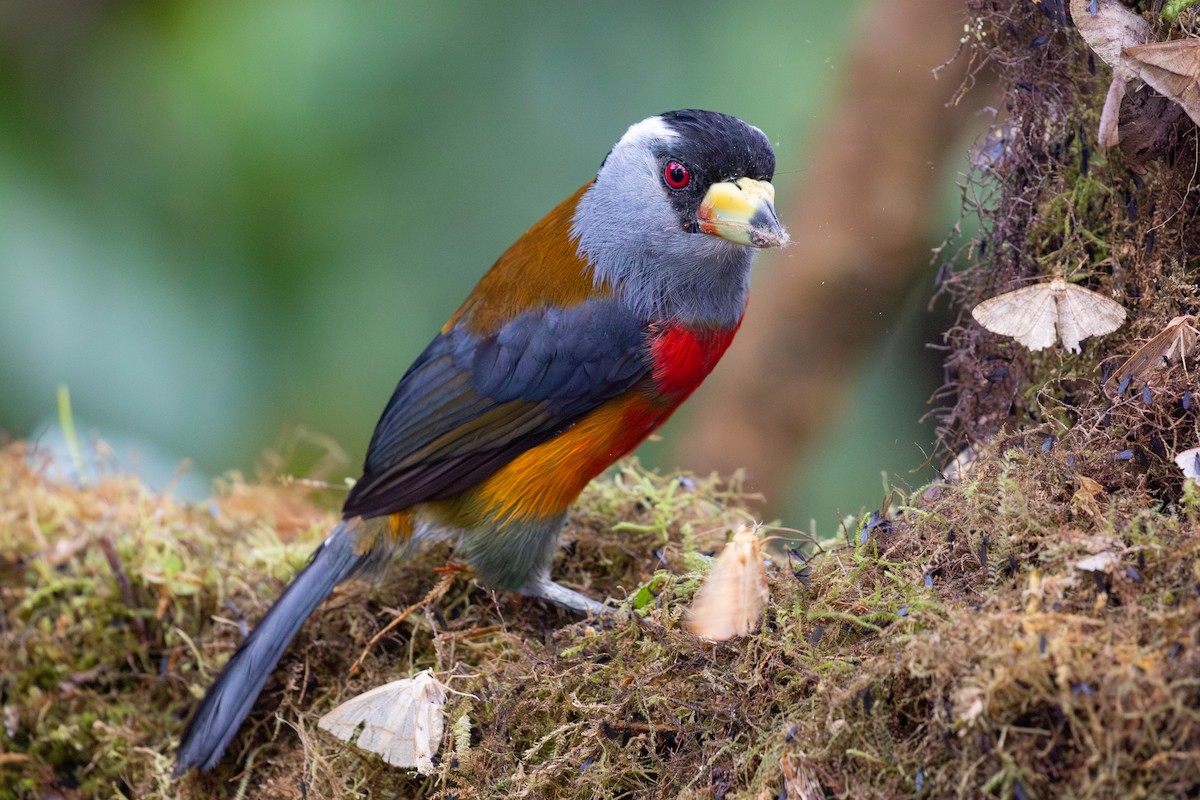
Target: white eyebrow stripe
[651,129]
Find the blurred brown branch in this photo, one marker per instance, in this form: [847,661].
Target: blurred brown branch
[860,236]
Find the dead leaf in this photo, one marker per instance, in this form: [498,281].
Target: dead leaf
[1148,125]
[1172,68]
[799,779]
[1089,487]
[1036,315]
[1171,345]
[734,593]
[1109,134]
[401,721]
[1110,30]
[1084,499]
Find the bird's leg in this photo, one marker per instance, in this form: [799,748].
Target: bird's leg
[561,596]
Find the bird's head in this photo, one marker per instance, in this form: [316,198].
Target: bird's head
[676,212]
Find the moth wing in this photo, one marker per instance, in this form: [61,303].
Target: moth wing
[1183,342]
[400,721]
[344,720]
[734,592]
[428,723]
[1083,313]
[1026,314]
[1189,462]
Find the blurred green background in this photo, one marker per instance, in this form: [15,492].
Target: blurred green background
[220,221]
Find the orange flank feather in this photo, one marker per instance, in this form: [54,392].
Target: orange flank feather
[402,524]
[369,534]
[542,268]
[545,480]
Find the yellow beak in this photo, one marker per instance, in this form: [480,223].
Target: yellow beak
[742,211]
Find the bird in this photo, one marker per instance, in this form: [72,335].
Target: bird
[581,340]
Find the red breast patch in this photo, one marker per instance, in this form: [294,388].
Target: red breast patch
[683,356]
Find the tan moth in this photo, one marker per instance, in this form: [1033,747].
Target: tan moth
[734,592]
[1037,315]
[1172,344]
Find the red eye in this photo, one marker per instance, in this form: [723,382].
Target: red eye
[676,175]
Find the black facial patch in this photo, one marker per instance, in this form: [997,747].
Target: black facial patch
[715,147]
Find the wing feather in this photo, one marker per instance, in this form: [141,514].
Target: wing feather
[471,404]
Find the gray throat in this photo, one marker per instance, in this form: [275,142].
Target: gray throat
[662,271]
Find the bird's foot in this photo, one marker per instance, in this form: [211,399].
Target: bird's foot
[566,598]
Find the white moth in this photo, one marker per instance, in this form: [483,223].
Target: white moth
[1100,562]
[401,721]
[1036,315]
[1189,462]
[734,593]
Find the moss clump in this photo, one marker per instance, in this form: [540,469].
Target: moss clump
[950,646]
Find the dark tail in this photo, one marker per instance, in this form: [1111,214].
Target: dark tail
[230,699]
